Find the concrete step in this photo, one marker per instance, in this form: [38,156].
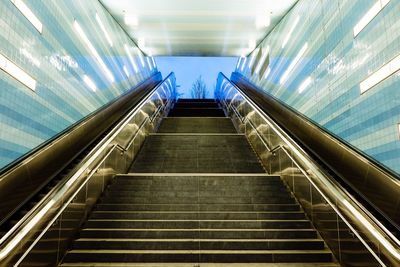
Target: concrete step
[196,112]
[196,105]
[215,256]
[198,200]
[198,207]
[219,215]
[196,125]
[195,244]
[198,233]
[195,224]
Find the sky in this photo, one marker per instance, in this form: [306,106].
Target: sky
[188,69]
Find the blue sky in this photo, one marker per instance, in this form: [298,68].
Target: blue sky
[188,69]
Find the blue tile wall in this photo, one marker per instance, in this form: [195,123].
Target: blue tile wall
[57,59]
[337,62]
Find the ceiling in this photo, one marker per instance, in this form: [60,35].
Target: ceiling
[198,28]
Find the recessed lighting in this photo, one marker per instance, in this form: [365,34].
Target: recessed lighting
[290,31]
[104,29]
[89,82]
[28,14]
[131,20]
[17,73]
[305,84]
[294,63]
[93,50]
[369,16]
[381,74]
[132,60]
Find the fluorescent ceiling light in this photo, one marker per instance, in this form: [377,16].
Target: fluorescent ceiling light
[263,21]
[25,10]
[132,60]
[305,84]
[104,29]
[296,21]
[252,44]
[17,73]
[126,71]
[381,74]
[369,16]
[89,82]
[294,63]
[244,63]
[262,60]
[93,50]
[131,20]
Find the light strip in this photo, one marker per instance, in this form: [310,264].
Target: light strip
[93,50]
[244,63]
[263,58]
[294,63]
[89,82]
[131,58]
[126,71]
[154,62]
[290,32]
[28,14]
[104,29]
[17,73]
[381,74]
[369,16]
[305,84]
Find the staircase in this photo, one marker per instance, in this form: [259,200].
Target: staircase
[197,195]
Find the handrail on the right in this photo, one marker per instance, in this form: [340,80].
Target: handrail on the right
[261,129]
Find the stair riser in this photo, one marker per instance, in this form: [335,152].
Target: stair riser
[198,207]
[215,257]
[195,200]
[193,245]
[275,234]
[198,216]
[201,224]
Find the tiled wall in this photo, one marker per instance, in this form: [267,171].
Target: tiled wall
[324,84]
[58,59]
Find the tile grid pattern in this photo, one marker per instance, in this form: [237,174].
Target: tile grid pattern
[58,59]
[337,62]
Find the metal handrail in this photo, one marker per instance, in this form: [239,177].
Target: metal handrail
[33,218]
[381,234]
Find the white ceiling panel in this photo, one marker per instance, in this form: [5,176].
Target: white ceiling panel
[198,28]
